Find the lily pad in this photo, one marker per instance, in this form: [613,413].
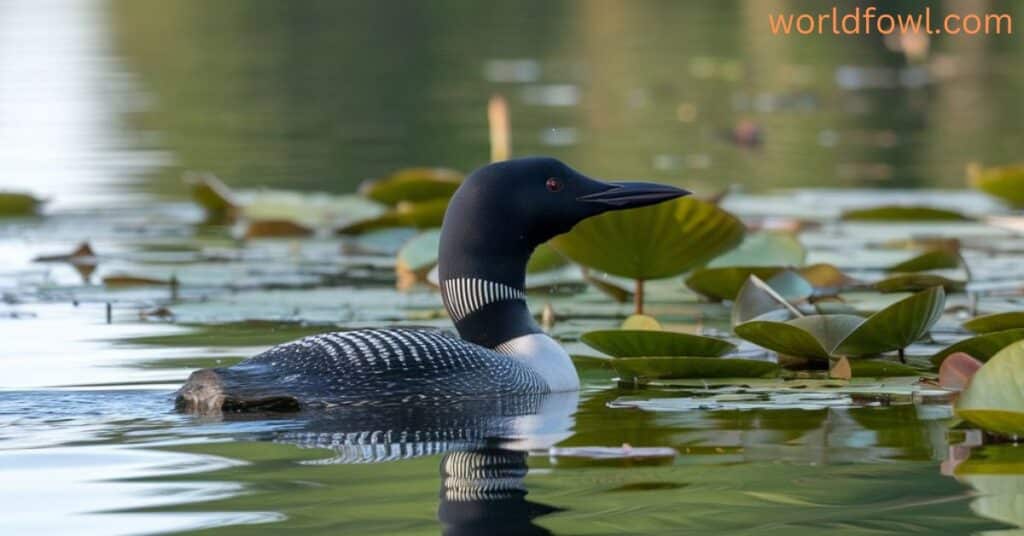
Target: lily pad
[903,213]
[756,299]
[937,259]
[416,258]
[812,337]
[545,258]
[413,184]
[275,229]
[691,367]
[18,204]
[421,215]
[996,322]
[1004,182]
[641,322]
[917,282]
[826,276]
[643,343]
[982,347]
[209,192]
[766,248]
[725,283]
[994,400]
[653,242]
[897,326]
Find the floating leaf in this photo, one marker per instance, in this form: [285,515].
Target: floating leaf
[725,283]
[275,229]
[994,400]
[637,368]
[1004,182]
[83,254]
[996,322]
[903,214]
[610,289]
[766,248]
[545,258]
[421,215]
[826,276]
[416,258]
[937,259]
[897,326]
[413,184]
[641,342]
[812,337]
[641,322]
[214,196]
[917,282]
[125,281]
[652,242]
[308,209]
[957,370]
[18,204]
[981,347]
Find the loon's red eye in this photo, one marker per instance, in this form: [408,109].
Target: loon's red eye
[554,184]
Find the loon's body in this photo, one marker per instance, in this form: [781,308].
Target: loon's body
[494,221]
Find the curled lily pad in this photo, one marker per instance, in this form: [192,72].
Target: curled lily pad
[918,282]
[1004,182]
[725,283]
[766,248]
[982,347]
[642,343]
[413,184]
[638,368]
[936,259]
[209,192]
[904,214]
[994,400]
[812,337]
[996,322]
[757,298]
[421,215]
[652,242]
[897,326]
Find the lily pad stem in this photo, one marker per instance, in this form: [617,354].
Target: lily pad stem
[638,297]
[903,355]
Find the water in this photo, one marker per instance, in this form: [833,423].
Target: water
[103,105]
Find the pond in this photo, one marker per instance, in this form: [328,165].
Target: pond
[104,105]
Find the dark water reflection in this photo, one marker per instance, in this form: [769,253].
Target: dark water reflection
[321,94]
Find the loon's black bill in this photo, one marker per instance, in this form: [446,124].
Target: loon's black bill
[634,194]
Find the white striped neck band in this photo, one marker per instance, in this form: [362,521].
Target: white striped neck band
[464,295]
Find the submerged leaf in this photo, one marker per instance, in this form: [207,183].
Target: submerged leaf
[642,342]
[994,400]
[637,368]
[981,347]
[903,214]
[413,184]
[652,242]
[996,322]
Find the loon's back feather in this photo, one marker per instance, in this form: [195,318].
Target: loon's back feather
[365,366]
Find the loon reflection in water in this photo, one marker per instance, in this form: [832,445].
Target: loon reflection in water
[494,221]
[483,446]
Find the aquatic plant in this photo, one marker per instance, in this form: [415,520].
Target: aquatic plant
[995,322]
[981,347]
[994,398]
[652,242]
[903,213]
[18,204]
[1004,182]
[412,185]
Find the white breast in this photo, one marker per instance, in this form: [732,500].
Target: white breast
[544,355]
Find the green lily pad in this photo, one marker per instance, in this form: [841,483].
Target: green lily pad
[996,322]
[757,298]
[917,282]
[421,215]
[641,342]
[897,326]
[18,204]
[994,399]
[766,248]
[826,276]
[903,214]
[812,337]
[690,367]
[937,259]
[308,209]
[545,258]
[725,283]
[413,184]
[982,347]
[653,242]
[1004,182]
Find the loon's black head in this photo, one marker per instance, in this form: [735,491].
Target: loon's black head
[525,202]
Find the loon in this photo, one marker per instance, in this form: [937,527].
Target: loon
[495,219]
